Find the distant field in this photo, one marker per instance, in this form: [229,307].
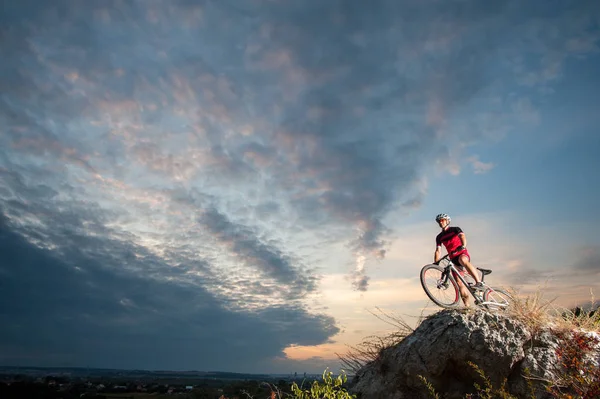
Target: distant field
[138,395]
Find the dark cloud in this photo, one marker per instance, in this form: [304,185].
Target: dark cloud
[257,253]
[588,260]
[525,276]
[576,274]
[360,281]
[69,309]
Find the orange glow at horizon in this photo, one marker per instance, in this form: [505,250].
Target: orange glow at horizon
[324,351]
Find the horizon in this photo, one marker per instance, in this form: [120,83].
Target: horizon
[148,370]
[253,185]
[182,371]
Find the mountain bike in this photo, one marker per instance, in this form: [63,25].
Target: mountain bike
[440,285]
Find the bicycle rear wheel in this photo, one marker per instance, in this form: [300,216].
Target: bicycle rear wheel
[443,292]
[500,299]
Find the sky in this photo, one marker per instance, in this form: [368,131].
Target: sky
[243,185]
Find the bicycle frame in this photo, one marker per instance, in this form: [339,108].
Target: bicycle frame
[476,294]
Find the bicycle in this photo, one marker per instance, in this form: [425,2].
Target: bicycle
[440,280]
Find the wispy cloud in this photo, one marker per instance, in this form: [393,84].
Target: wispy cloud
[264,256]
[478,166]
[589,259]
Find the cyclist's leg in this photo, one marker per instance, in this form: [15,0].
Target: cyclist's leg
[464,292]
[465,261]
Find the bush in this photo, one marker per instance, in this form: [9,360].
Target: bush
[330,388]
[578,373]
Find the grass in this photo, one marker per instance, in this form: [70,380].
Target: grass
[370,348]
[536,311]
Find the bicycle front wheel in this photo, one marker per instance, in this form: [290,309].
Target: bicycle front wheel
[498,298]
[442,290]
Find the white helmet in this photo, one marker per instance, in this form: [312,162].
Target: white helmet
[442,216]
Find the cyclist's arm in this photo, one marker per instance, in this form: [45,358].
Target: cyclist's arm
[436,254]
[463,239]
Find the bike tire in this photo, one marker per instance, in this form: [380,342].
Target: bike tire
[499,296]
[430,279]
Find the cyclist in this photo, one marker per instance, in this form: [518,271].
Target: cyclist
[455,242]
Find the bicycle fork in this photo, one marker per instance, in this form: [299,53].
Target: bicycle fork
[443,281]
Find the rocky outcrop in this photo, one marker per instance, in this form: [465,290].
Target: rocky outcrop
[442,348]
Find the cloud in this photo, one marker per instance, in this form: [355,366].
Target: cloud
[564,283]
[478,166]
[257,253]
[94,313]
[525,111]
[588,259]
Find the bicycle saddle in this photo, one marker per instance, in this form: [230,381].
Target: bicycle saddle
[484,271]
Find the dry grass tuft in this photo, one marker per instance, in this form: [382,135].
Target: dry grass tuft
[584,318]
[537,312]
[534,311]
[371,347]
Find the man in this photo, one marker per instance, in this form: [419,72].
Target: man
[455,242]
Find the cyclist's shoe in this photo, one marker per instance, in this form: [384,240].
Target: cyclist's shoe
[479,286]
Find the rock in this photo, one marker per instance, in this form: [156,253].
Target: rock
[442,348]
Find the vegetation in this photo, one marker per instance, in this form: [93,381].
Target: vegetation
[329,388]
[577,373]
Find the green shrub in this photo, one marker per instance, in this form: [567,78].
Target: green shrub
[329,388]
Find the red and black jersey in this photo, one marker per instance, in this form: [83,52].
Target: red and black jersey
[449,238]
